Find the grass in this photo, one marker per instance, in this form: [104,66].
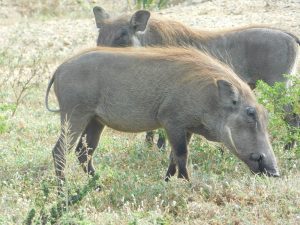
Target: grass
[133,191]
[48,9]
[221,190]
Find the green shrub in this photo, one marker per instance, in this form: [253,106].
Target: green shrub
[275,99]
[46,211]
[148,4]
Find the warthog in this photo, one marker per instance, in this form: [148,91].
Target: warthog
[180,90]
[254,53]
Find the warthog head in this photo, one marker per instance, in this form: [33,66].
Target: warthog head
[243,129]
[119,32]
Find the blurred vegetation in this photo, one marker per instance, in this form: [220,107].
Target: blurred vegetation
[149,4]
[44,9]
[282,102]
[52,8]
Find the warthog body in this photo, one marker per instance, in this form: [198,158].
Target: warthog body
[181,90]
[254,53]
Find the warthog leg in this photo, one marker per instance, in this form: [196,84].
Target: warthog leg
[87,144]
[59,162]
[70,131]
[149,137]
[172,167]
[161,142]
[178,155]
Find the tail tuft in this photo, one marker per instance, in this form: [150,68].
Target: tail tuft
[294,36]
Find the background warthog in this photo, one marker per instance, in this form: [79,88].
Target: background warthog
[185,92]
[254,53]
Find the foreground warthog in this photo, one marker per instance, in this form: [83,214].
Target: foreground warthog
[254,53]
[183,91]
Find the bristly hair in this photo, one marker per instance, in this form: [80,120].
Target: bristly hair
[191,60]
[182,33]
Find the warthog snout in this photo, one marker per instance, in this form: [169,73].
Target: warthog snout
[260,159]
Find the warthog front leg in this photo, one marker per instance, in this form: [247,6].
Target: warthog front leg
[172,167]
[87,144]
[179,154]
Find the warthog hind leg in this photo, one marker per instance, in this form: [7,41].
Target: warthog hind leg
[149,137]
[70,131]
[161,142]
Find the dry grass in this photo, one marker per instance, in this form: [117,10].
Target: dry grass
[221,191]
[48,8]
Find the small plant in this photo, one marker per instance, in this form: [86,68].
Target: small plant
[3,124]
[149,4]
[281,103]
[29,218]
[22,75]
[45,212]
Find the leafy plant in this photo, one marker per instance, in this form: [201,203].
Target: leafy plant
[22,75]
[43,214]
[3,124]
[148,4]
[282,103]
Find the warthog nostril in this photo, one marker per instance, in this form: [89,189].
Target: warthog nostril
[257,157]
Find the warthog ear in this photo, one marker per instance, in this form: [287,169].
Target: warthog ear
[228,94]
[100,15]
[139,20]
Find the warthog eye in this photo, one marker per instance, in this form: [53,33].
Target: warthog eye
[122,39]
[123,33]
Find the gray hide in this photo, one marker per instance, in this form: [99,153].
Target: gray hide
[254,53]
[181,90]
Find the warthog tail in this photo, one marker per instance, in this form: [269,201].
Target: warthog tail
[47,95]
[294,36]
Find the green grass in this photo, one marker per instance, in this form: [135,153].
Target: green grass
[148,4]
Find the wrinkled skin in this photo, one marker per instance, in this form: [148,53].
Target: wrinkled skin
[254,53]
[109,87]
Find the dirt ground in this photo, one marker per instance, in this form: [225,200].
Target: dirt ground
[67,34]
